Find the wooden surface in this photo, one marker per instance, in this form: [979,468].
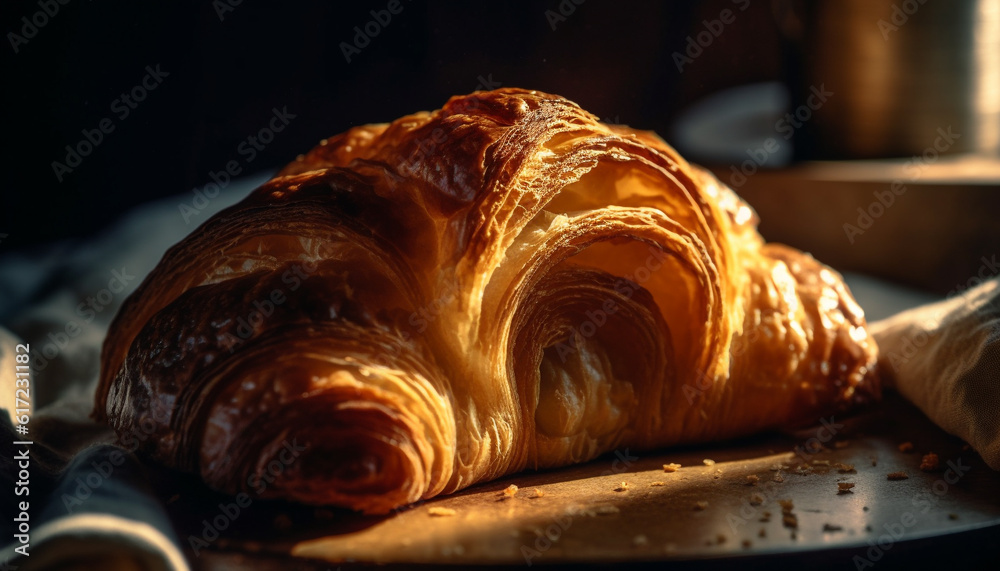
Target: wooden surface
[583,517]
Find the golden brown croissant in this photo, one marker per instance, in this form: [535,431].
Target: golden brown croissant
[502,284]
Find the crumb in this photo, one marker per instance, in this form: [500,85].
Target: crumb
[841,444]
[671,467]
[865,508]
[746,544]
[952,516]
[845,468]
[510,491]
[897,476]
[709,462]
[762,532]
[930,462]
[720,539]
[906,447]
[282,522]
[845,487]
[752,480]
[776,467]
[640,540]
[803,469]
[440,512]
[718,474]
[787,517]
[699,506]
[756,499]
[537,493]
[874,460]
[821,462]
[830,527]
[622,487]
[657,484]
[778,478]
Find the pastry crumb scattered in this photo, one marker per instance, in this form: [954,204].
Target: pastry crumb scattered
[537,493]
[897,476]
[756,499]
[720,539]
[906,447]
[657,484]
[828,527]
[671,467]
[845,468]
[752,479]
[930,462]
[778,478]
[788,519]
[622,487]
[510,491]
[440,512]
[845,487]
[746,544]
[709,462]
[762,532]
[700,505]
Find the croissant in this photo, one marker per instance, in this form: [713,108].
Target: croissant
[505,283]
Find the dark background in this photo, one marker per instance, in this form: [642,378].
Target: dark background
[227,73]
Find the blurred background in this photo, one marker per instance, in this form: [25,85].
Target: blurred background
[864,131]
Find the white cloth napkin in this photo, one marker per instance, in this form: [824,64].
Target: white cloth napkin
[944,357]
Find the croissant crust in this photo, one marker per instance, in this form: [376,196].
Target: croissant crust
[505,283]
